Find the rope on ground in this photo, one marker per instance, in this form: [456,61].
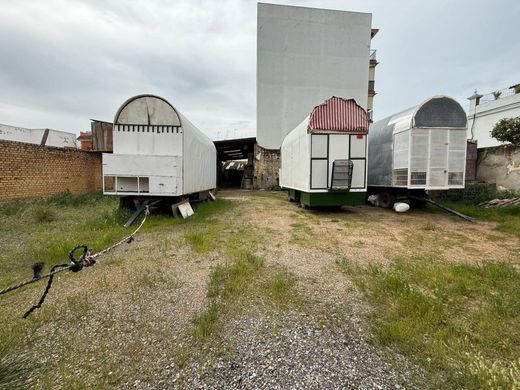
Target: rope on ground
[86,259]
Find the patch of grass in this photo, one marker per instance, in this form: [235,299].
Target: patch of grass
[198,241]
[67,198]
[43,214]
[446,314]
[279,289]
[12,208]
[14,367]
[206,322]
[227,280]
[226,283]
[507,218]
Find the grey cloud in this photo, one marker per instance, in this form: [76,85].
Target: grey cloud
[64,62]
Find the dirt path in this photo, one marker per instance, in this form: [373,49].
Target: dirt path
[328,345]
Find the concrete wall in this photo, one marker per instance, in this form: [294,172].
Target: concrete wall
[60,139]
[267,167]
[482,118]
[28,170]
[305,56]
[500,165]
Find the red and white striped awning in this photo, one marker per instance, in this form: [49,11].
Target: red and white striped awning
[338,115]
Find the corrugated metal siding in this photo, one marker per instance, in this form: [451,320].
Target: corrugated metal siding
[338,114]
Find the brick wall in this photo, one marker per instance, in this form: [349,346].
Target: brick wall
[28,170]
[267,166]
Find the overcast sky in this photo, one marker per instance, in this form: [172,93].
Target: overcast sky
[63,62]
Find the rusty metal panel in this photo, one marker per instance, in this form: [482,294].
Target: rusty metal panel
[101,136]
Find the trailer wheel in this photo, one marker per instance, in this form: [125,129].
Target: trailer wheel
[386,199]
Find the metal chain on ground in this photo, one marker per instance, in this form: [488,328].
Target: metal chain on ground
[86,259]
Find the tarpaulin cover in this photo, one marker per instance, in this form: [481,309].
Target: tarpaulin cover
[340,115]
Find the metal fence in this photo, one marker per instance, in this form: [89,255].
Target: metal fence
[499,94]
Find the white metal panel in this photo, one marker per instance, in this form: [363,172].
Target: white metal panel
[199,159]
[358,174]
[319,146]
[419,156]
[401,158]
[319,174]
[130,165]
[456,157]
[401,144]
[166,185]
[148,140]
[296,157]
[438,170]
[358,146]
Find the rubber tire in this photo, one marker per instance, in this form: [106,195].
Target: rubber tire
[386,199]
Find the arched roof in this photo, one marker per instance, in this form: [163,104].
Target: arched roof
[147,110]
[437,111]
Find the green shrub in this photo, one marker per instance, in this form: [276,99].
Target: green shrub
[507,130]
[44,214]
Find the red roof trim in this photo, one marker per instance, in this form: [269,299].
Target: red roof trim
[338,115]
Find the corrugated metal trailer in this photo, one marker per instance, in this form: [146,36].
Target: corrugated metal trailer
[157,152]
[324,157]
[420,149]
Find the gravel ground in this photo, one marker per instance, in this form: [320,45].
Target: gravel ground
[291,352]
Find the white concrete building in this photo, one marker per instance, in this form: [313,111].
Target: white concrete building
[486,110]
[47,137]
[305,56]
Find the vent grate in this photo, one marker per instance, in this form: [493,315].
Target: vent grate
[401,177]
[455,178]
[418,178]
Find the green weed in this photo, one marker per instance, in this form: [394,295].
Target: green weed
[43,214]
[443,313]
[227,282]
[279,289]
[14,367]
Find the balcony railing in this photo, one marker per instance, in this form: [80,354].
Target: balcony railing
[372,56]
[501,93]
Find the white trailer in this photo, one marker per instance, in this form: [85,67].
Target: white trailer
[157,152]
[420,149]
[324,157]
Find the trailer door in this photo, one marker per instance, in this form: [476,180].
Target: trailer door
[438,175]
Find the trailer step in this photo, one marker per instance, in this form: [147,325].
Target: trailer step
[341,174]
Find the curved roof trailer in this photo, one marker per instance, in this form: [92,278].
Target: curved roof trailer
[157,152]
[324,157]
[420,149]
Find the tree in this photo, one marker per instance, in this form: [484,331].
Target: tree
[507,130]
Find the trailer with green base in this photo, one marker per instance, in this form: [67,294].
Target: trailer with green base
[324,158]
[326,199]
